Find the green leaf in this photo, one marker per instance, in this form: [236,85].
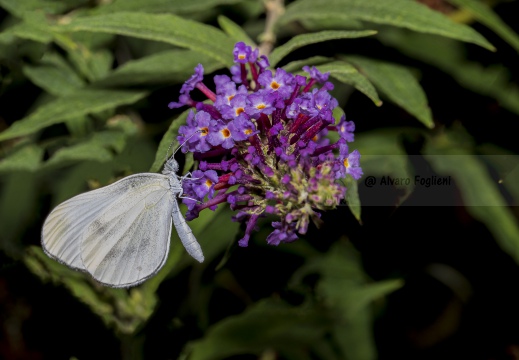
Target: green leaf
[35,31]
[401,13]
[80,126]
[74,181]
[481,197]
[336,23]
[398,84]
[306,39]
[298,64]
[100,64]
[169,67]
[161,6]
[382,155]
[98,148]
[81,102]
[506,165]
[235,31]
[18,203]
[25,158]
[189,163]
[354,337]
[381,142]
[92,64]
[115,307]
[26,8]
[169,141]
[448,56]
[352,197]
[78,282]
[217,230]
[268,324]
[484,14]
[343,283]
[431,49]
[123,123]
[167,28]
[6,41]
[53,75]
[493,81]
[353,334]
[347,291]
[510,179]
[348,74]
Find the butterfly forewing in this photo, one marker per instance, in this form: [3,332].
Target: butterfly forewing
[65,225]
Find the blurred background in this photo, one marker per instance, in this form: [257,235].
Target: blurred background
[396,273]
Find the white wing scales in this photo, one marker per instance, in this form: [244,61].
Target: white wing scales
[137,241]
[68,224]
[136,232]
[120,233]
[64,227]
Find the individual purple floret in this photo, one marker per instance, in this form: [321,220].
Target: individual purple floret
[242,128]
[219,134]
[242,53]
[280,84]
[263,146]
[346,129]
[316,74]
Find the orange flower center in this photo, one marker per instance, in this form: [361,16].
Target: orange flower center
[248,131]
[274,85]
[225,132]
[205,131]
[239,111]
[346,163]
[241,57]
[261,106]
[208,183]
[230,97]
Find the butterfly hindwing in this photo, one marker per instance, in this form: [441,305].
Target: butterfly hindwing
[129,242]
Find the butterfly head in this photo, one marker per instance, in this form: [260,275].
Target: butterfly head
[171,166]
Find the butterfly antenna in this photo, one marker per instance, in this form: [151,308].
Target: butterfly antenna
[180,146]
[167,152]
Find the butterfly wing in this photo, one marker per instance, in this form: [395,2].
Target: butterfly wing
[186,234]
[128,242]
[65,225]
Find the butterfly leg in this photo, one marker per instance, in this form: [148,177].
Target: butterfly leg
[188,176]
[187,197]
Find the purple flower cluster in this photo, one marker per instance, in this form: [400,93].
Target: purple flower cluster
[262,147]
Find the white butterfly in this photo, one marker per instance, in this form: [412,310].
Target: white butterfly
[120,233]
